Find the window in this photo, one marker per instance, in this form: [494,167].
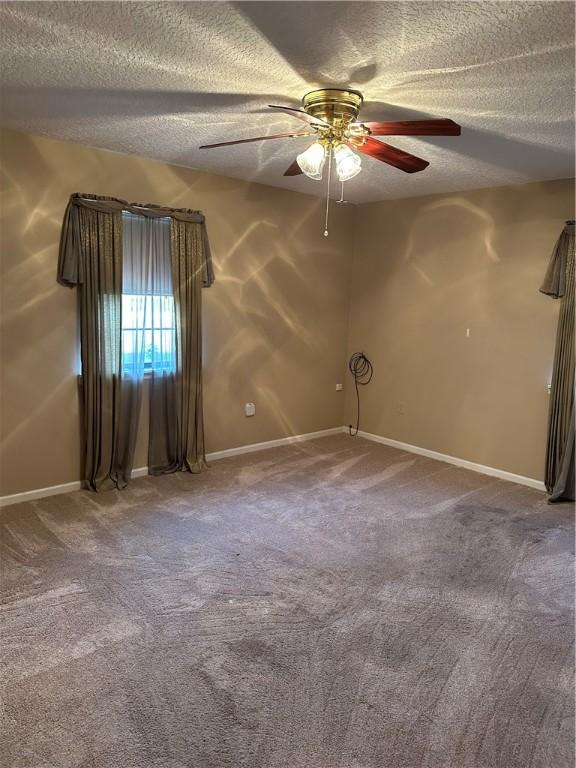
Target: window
[148,332]
[148,310]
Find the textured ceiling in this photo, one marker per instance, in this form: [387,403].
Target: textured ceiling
[158,79]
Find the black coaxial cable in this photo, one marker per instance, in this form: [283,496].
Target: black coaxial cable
[361,369]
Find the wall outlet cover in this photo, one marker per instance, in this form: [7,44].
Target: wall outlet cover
[249,409]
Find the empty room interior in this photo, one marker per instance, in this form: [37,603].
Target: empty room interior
[287,384]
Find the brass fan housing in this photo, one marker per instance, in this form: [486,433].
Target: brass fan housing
[333,105]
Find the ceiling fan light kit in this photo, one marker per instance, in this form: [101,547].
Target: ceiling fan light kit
[312,161]
[333,112]
[331,116]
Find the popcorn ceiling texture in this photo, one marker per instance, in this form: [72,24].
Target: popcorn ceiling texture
[159,79]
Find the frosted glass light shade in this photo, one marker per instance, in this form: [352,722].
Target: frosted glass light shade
[312,160]
[348,164]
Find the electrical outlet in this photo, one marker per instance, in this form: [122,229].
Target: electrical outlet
[249,409]
[339,387]
[401,408]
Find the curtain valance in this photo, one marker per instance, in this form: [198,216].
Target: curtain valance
[555,279]
[70,266]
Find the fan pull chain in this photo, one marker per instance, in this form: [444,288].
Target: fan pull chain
[328,191]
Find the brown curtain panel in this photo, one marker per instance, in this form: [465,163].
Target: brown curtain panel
[91,258]
[559,283]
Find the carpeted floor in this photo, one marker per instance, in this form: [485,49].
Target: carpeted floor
[333,604]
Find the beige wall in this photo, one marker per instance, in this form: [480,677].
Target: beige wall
[426,269]
[409,276]
[274,321]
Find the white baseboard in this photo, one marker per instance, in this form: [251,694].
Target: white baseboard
[54,490]
[464,463]
[39,493]
[271,444]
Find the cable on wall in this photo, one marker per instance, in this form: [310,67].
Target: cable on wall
[361,369]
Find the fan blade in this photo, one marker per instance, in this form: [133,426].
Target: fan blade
[257,138]
[414,128]
[387,154]
[300,115]
[293,170]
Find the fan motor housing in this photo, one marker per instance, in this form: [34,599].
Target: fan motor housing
[332,104]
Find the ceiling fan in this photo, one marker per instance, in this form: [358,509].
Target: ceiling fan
[331,117]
